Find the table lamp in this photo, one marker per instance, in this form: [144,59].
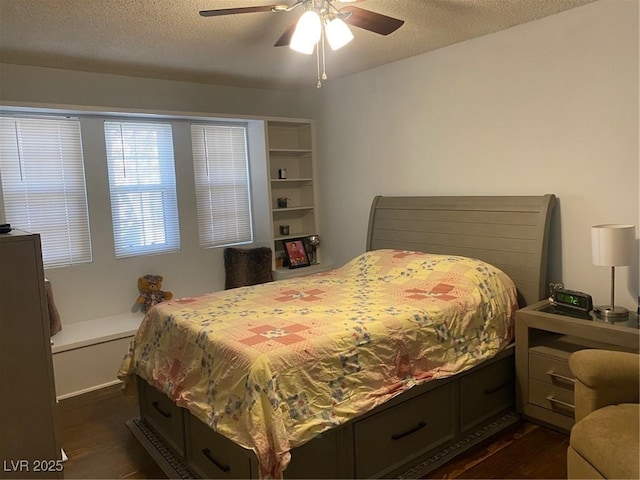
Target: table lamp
[612,246]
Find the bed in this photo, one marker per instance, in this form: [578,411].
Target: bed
[387,366]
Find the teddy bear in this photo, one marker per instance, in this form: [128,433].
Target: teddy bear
[150,293]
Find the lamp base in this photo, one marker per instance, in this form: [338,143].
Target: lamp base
[611,314]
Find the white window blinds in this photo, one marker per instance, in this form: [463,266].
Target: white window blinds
[142,184]
[43,185]
[222,184]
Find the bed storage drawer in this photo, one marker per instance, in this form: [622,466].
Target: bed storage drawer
[162,414]
[211,455]
[333,447]
[403,431]
[487,392]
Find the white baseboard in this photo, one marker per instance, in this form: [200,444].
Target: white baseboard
[87,390]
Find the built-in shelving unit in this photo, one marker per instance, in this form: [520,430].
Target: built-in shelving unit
[290,146]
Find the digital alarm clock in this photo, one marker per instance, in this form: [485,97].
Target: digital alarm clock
[572,300]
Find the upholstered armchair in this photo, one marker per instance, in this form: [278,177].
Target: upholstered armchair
[604,439]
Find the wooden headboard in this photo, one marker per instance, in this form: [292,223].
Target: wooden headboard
[510,232]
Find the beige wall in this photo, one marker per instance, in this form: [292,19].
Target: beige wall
[546,107]
[26,84]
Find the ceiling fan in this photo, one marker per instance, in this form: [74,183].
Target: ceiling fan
[328,15]
[321,20]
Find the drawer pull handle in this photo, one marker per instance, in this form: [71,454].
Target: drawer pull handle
[553,374]
[207,453]
[559,402]
[489,391]
[156,405]
[419,426]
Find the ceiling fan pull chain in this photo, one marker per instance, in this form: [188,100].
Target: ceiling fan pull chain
[319,84]
[324,66]
[319,53]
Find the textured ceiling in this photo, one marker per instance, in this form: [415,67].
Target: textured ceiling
[167,39]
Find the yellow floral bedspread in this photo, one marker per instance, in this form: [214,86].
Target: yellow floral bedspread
[273,365]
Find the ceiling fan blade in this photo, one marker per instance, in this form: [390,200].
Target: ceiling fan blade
[285,38]
[233,11]
[372,21]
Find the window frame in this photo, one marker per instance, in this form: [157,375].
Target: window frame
[141,192]
[207,183]
[66,235]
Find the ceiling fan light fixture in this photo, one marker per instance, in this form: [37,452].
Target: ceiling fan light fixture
[307,33]
[338,33]
[322,22]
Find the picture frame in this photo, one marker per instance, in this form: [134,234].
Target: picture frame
[296,253]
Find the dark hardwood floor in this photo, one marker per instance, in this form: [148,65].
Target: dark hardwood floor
[97,441]
[524,450]
[99,445]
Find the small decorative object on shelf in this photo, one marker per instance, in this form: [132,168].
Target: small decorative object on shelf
[295,253]
[282,202]
[314,241]
[282,173]
[284,229]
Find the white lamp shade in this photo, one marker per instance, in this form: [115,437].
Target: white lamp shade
[307,33]
[338,33]
[612,245]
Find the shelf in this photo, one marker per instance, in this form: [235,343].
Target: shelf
[295,152]
[295,137]
[291,180]
[291,209]
[282,273]
[292,236]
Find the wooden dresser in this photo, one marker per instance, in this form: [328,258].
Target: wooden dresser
[29,438]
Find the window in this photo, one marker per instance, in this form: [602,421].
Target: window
[222,184]
[43,185]
[142,183]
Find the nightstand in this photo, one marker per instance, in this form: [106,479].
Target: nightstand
[545,338]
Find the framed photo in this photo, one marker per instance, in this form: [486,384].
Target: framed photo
[296,253]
